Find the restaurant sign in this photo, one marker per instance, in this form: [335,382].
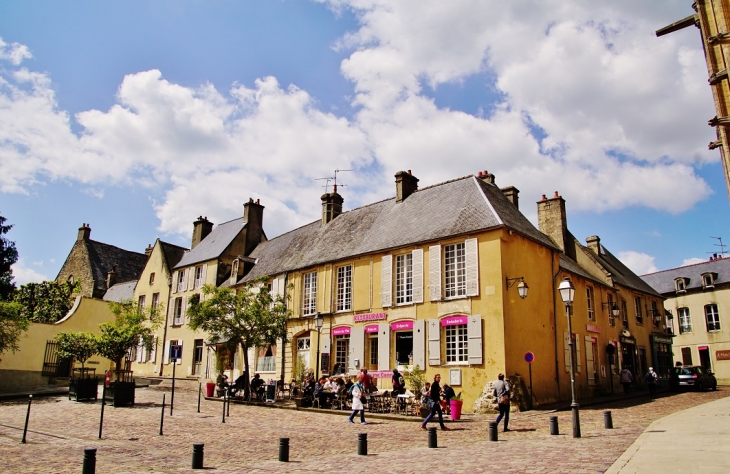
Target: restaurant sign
[341,331]
[593,328]
[722,355]
[371,328]
[455,321]
[401,326]
[359,318]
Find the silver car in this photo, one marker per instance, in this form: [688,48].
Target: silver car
[695,377]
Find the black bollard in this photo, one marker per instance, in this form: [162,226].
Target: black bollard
[89,466]
[554,425]
[229,405]
[198,455]
[27,417]
[224,407]
[362,444]
[284,449]
[162,415]
[200,390]
[432,438]
[607,421]
[493,431]
[103,403]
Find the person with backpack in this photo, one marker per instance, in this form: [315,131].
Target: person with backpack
[501,393]
[651,381]
[358,394]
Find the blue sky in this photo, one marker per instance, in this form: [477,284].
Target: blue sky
[139,116]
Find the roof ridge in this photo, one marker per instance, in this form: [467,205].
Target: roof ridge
[685,266]
[119,248]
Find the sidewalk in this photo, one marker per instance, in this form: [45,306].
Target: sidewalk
[692,440]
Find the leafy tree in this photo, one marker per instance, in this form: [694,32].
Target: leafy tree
[48,301]
[12,324]
[8,256]
[76,345]
[249,317]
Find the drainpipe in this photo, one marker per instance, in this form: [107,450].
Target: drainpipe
[555,320]
[283,339]
[164,331]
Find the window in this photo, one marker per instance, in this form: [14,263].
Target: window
[344,288]
[152,278]
[266,360]
[197,356]
[455,271]
[686,356]
[177,312]
[656,316]
[712,317]
[637,309]
[199,276]
[680,284]
[404,279]
[181,280]
[309,305]
[140,302]
[589,302]
[234,270]
[155,300]
[457,343]
[685,323]
[624,314]
[342,348]
[374,352]
[611,319]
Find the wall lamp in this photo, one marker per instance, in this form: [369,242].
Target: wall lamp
[521,286]
[614,308]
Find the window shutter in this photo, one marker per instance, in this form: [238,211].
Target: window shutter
[566,347]
[180,343]
[418,276]
[183,315]
[138,355]
[153,350]
[419,343]
[590,369]
[166,354]
[203,275]
[434,273]
[386,282]
[577,355]
[326,345]
[383,346]
[472,267]
[174,281]
[357,347]
[171,312]
[474,332]
[434,342]
[190,275]
[274,287]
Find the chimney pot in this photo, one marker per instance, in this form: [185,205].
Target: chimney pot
[405,185]
[201,228]
[556,195]
[544,198]
[84,232]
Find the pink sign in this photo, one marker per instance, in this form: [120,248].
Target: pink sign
[401,325]
[359,318]
[593,328]
[341,331]
[380,374]
[455,320]
[371,328]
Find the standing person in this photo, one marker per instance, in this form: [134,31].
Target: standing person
[358,393]
[502,394]
[399,383]
[651,380]
[626,379]
[435,397]
[366,381]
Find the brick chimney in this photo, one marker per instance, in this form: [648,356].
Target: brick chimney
[405,185]
[552,220]
[111,277]
[594,243]
[201,228]
[487,177]
[331,206]
[253,214]
[84,232]
[148,250]
[512,195]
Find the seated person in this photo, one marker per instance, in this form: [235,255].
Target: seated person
[294,390]
[349,383]
[222,384]
[257,386]
[308,389]
[448,393]
[238,384]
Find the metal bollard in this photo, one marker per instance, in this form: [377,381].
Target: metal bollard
[27,417]
[362,444]
[198,455]
[284,449]
[200,391]
[432,438]
[493,431]
[554,425]
[89,466]
[224,408]
[607,421]
[162,415]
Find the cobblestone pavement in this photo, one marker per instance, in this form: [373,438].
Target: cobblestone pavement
[60,429]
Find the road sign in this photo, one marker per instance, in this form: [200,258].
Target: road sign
[175,352]
[529,357]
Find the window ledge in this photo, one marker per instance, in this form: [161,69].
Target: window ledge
[456,364]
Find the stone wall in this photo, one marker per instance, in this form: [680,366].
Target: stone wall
[519,396]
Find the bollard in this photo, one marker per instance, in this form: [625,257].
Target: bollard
[89,466]
[362,444]
[554,425]
[493,431]
[103,403]
[284,449]
[607,421]
[200,390]
[224,407]
[27,417]
[162,415]
[228,413]
[198,455]
[432,438]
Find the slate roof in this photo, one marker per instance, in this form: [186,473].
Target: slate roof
[120,292]
[620,272]
[172,253]
[103,257]
[573,267]
[663,281]
[214,244]
[452,208]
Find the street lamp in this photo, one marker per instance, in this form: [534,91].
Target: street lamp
[521,286]
[567,293]
[318,321]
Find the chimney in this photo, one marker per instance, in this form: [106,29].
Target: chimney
[84,232]
[487,177]
[331,206]
[201,228]
[405,185]
[253,214]
[148,250]
[111,277]
[594,243]
[552,220]
[512,194]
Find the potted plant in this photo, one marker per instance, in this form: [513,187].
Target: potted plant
[416,379]
[79,346]
[456,404]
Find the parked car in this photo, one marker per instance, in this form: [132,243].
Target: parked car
[692,376]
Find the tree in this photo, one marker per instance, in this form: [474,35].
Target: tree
[8,256]
[249,317]
[12,324]
[76,345]
[47,301]
[133,327]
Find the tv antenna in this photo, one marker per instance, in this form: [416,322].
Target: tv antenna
[331,178]
[721,245]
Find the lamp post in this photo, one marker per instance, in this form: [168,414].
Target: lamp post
[567,293]
[318,321]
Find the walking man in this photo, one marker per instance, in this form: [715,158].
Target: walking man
[435,397]
[651,381]
[502,394]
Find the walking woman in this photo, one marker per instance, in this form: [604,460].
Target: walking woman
[435,398]
[358,393]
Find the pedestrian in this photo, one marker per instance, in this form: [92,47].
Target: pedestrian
[501,393]
[399,383]
[366,381]
[358,394]
[434,397]
[651,381]
[626,379]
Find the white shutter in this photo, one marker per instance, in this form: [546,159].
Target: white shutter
[434,342]
[472,267]
[171,312]
[474,332]
[577,355]
[153,350]
[190,275]
[566,351]
[166,354]
[183,316]
[180,343]
[325,344]
[386,281]
[274,287]
[418,276]
[434,273]
[205,271]
[590,369]
[383,346]
[357,347]
[419,343]
[174,282]
[138,355]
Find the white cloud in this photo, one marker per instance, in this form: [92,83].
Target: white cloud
[639,263]
[23,274]
[692,261]
[14,52]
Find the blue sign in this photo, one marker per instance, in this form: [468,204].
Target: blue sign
[529,357]
[176,352]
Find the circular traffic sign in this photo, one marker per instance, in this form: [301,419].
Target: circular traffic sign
[529,357]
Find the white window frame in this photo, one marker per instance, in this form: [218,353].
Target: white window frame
[590,303]
[309,293]
[680,285]
[455,270]
[141,301]
[178,310]
[637,310]
[456,340]
[404,279]
[198,277]
[708,280]
[344,288]
[181,281]
[712,317]
[155,300]
[685,320]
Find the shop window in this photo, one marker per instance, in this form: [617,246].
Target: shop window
[344,288]
[685,323]
[373,347]
[309,304]
[457,343]
[403,347]
[712,317]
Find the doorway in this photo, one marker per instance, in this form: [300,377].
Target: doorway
[705,357]
[403,347]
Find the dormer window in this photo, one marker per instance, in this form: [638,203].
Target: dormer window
[680,284]
[708,280]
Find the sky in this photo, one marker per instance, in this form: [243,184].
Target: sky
[137,117]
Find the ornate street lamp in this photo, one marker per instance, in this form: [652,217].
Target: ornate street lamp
[318,321]
[567,293]
[521,286]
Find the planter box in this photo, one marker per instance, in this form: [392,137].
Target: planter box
[121,393]
[83,388]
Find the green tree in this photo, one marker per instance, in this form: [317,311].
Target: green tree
[8,256]
[12,324]
[47,301]
[249,317]
[76,345]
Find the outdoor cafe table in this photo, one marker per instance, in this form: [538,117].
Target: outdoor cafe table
[377,401]
[403,401]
